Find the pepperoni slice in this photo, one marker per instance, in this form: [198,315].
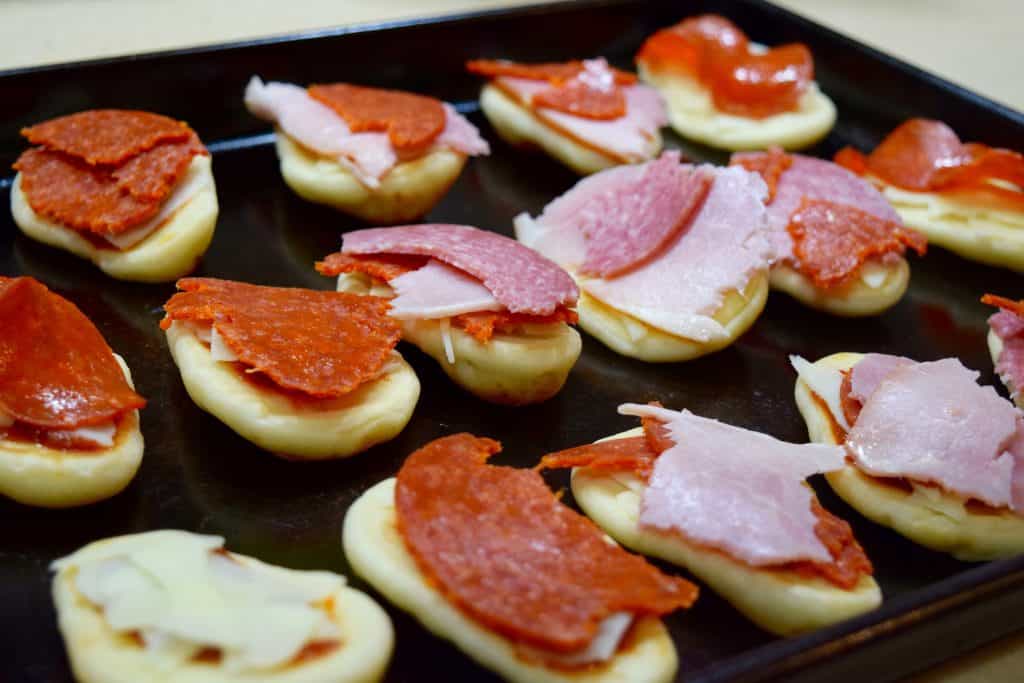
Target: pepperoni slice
[322,344]
[832,241]
[106,136]
[500,546]
[770,165]
[638,455]
[586,89]
[381,266]
[56,370]
[411,121]
[483,325]
[718,54]
[851,160]
[556,73]
[1004,303]
[850,405]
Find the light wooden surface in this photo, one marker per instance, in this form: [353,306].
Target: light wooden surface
[975,44]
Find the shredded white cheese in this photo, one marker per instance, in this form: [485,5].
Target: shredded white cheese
[825,383]
[446,338]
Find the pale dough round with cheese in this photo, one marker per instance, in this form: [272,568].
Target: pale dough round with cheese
[373,413]
[995,348]
[99,654]
[853,299]
[518,126]
[693,115]
[988,235]
[779,601]
[168,253]
[632,337]
[524,366]
[35,474]
[376,551]
[926,515]
[406,192]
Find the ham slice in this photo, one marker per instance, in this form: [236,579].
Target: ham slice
[817,179]
[736,490]
[932,422]
[369,156]
[519,278]
[868,373]
[718,250]
[623,216]
[439,291]
[627,137]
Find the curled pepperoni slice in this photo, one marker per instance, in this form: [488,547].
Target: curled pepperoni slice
[322,344]
[411,121]
[555,73]
[499,545]
[579,99]
[831,241]
[106,136]
[770,165]
[741,81]
[483,325]
[381,266]
[56,370]
[617,455]
[1004,303]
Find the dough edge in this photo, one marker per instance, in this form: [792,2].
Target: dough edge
[855,299]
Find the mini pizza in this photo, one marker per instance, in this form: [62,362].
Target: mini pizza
[488,558]
[384,156]
[761,539]
[69,414]
[585,114]
[672,259]
[130,191]
[839,243]
[930,453]
[1006,343]
[726,92]
[304,374]
[968,198]
[177,607]
[495,314]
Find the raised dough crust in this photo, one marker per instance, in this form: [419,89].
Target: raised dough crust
[407,192]
[99,654]
[34,474]
[516,125]
[375,412]
[853,299]
[692,115]
[782,602]
[978,233]
[168,253]
[631,337]
[376,552]
[527,367]
[926,515]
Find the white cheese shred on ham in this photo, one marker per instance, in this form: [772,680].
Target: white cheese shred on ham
[825,383]
[679,289]
[172,587]
[446,339]
[933,423]
[369,156]
[735,490]
[439,291]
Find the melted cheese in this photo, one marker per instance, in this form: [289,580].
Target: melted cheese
[826,383]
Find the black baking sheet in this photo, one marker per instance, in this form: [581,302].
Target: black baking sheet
[200,476]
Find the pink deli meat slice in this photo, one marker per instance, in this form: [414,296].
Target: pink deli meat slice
[1009,327]
[869,372]
[723,245]
[932,422]
[518,277]
[628,137]
[736,490]
[438,291]
[627,214]
[818,179]
[317,127]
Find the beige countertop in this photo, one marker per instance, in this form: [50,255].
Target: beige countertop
[975,44]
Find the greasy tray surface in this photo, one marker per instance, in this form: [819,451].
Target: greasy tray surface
[198,475]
